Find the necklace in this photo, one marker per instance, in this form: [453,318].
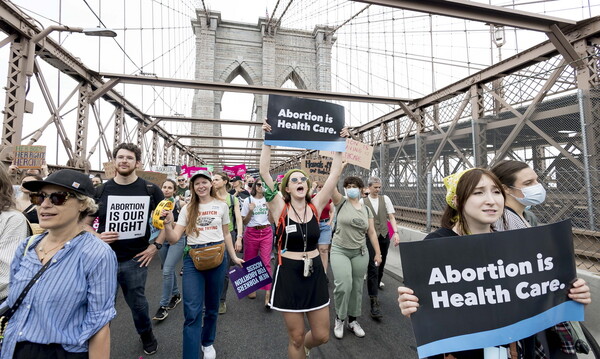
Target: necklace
[305,231]
[45,253]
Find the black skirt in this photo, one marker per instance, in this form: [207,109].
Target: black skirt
[293,292]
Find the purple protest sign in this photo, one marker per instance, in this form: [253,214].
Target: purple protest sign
[250,278]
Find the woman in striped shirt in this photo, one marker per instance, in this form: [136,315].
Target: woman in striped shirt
[65,314]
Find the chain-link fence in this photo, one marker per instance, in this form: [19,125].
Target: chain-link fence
[538,115]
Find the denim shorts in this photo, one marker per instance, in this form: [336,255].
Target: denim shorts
[325,236]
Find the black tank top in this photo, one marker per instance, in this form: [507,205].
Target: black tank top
[295,240]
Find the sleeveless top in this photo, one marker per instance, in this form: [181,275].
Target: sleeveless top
[295,241]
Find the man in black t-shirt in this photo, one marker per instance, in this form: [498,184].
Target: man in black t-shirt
[125,209]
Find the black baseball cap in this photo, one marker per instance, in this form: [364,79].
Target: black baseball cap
[72,180]
[236,178]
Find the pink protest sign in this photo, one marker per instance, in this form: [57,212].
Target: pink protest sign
[237,170]
[190,170]
[250,278]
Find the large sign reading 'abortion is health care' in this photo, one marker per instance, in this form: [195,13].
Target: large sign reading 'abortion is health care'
[302,123]
[485,290]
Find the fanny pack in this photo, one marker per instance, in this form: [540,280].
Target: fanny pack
[208,257]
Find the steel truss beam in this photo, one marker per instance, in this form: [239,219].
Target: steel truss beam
[251,89]
[471,10]
[583,29]
[14,22]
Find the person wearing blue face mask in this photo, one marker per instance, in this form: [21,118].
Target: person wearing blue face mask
[349,254]
[520,182]
[523,190]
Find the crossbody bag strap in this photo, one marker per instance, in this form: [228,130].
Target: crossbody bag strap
[11,311]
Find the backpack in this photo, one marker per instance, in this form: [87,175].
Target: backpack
[280,230]
[231,211]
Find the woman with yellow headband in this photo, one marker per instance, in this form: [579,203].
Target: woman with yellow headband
[475,199]
[300,282]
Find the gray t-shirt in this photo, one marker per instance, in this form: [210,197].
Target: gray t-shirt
[352,225]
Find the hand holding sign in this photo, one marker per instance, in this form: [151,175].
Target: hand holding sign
[301,123]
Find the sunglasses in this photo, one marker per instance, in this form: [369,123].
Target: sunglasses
[56,198]
[181,180]
[296,179]
[258,184]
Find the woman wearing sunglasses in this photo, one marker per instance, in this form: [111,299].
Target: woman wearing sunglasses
[65,313]
[258,237]
[13,228]
[300,282]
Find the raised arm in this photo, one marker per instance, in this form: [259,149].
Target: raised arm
[330,184]
[275,206]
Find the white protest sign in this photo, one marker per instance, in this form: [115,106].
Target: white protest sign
[127,215]
[170,171]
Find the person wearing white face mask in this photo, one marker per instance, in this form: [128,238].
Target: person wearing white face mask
[349,255]
[522,188]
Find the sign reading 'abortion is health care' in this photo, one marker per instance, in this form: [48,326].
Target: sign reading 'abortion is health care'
[301,123]
[492,289]
[250,278]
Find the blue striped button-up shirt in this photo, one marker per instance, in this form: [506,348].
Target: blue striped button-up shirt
[71,301]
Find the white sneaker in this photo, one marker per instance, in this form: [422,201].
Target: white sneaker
[381,285]
[356,329]
[338,329]
[209,352]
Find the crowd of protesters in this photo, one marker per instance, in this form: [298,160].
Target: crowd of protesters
[63,254]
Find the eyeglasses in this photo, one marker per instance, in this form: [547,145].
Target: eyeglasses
[296,179]
[56,198]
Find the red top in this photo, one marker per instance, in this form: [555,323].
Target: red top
[325,213]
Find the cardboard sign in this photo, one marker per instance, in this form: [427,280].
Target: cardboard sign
[357,153]
[510,285]
[302,123]
[29,156]
[110,170]
[232,171]
[155,177]
[250,278]
[170,171]
[317,170]
[127,215]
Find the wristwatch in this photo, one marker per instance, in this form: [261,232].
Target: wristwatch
[158,245]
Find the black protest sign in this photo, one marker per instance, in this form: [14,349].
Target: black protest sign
[491,289]
[302,123]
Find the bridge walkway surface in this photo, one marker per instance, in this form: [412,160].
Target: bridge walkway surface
[248,331]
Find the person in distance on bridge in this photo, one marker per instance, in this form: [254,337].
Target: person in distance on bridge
[522,185]
[383,211]
[349,255]
[170,256]
[325,220]
[300,284]
[182,188]
[221,183]
[133,252]
[205,221]
[27,208]
[97,180]
[473,191]
[238,189]
[66,313]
